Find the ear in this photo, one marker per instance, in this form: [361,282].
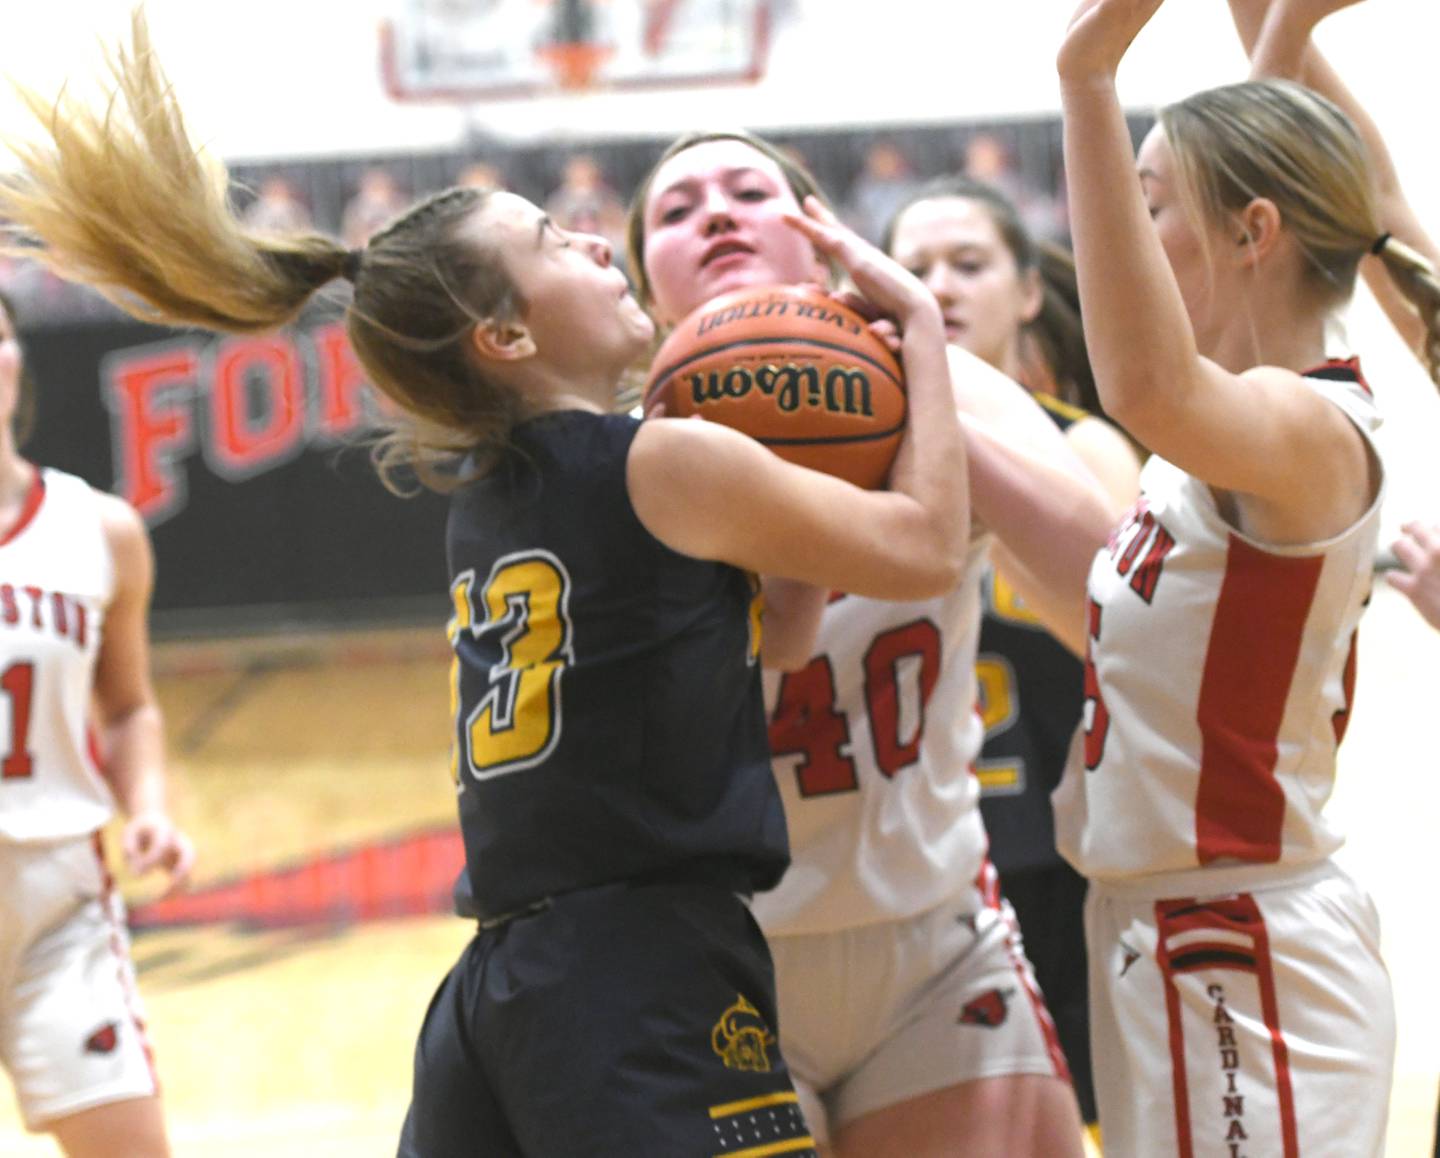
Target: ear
[1032,296]
[502,341]
[1258,230]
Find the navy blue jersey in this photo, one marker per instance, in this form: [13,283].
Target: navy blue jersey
[1031,693]
[608,712]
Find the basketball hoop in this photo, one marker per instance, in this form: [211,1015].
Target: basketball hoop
[574,63]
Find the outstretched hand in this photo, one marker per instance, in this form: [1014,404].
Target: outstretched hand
[150,841]
[883,282]
[1099,35]
[1418,550]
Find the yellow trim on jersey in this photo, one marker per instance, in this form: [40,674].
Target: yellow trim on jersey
[726,1109]
[789,1146]
[1060,407]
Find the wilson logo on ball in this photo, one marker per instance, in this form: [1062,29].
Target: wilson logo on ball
[845,389]
[794,369]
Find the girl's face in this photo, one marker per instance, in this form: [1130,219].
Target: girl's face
[579,309]
[9,370]
[713,223]
[953,245]
[1190,247]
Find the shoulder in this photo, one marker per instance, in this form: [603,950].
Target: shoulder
[128,541]
[666,451]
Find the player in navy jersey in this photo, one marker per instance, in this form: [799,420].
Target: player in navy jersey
[909,1017]
[615,793]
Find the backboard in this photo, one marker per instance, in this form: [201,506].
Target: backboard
[480,50]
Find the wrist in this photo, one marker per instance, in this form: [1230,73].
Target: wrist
[1078,87]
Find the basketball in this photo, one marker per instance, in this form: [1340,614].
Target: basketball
[795,370]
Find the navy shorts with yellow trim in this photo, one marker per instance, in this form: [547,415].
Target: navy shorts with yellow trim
[620,1021]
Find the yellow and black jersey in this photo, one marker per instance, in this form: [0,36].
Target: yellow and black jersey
[608,714]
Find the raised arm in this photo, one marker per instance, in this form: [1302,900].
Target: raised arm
[1277,36]
[1295,461]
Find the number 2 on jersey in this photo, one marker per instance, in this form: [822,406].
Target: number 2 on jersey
[524,623]
[17,682]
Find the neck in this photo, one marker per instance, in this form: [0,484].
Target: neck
[545,391]
[15,475]
[1270,326]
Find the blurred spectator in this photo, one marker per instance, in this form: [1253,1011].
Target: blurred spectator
[988,159]
[376,201]
[277,209]
[481,175]
[883,186]
[585,201]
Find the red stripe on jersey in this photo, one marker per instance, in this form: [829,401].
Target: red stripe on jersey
[1249,666]
[1270,1010]
[33,498]
[123,967]
[1340,721]
[1179,1086]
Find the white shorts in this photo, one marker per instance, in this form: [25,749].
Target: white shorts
[876,1015]
[72,1030]
[1247,1024]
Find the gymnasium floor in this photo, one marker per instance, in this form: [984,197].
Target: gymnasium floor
[294,1042]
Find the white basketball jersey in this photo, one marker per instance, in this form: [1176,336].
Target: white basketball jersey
[872,744]
[1217,686]
[56,579]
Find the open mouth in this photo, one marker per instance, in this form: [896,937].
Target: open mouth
[723,250]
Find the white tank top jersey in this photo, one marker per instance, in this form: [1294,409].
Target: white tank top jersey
[1217,689]
[56,579]
[873,743]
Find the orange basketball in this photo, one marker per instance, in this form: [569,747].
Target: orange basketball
[793,369]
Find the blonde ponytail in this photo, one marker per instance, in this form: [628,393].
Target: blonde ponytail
[1418,282]
[122,201]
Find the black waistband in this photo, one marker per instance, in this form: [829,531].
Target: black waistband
[723,874]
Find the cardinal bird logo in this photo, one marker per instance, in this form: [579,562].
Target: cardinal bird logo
[104,1039]
[989,1009]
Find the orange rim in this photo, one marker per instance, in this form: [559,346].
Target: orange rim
[575,63]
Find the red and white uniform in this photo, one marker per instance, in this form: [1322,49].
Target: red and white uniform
[71,1029]
[56,579]
[898,967]
[1218,687]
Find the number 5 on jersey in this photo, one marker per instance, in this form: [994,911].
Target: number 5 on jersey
[520,631]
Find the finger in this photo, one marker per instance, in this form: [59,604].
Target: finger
[180,863]
[655,409]
[887,331]
[1425,534]
[857,302]
[1411,557]
[1402,581]
[820,233]
[819,210]
[147,857]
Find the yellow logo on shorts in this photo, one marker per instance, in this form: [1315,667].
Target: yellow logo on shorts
[740,1038]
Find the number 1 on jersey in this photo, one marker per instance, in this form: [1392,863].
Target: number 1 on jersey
[18,682]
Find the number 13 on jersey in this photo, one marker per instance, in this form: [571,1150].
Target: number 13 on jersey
[518,622]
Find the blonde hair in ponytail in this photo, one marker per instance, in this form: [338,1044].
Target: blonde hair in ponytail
[124,202]
[1279,140]
[1419,282]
